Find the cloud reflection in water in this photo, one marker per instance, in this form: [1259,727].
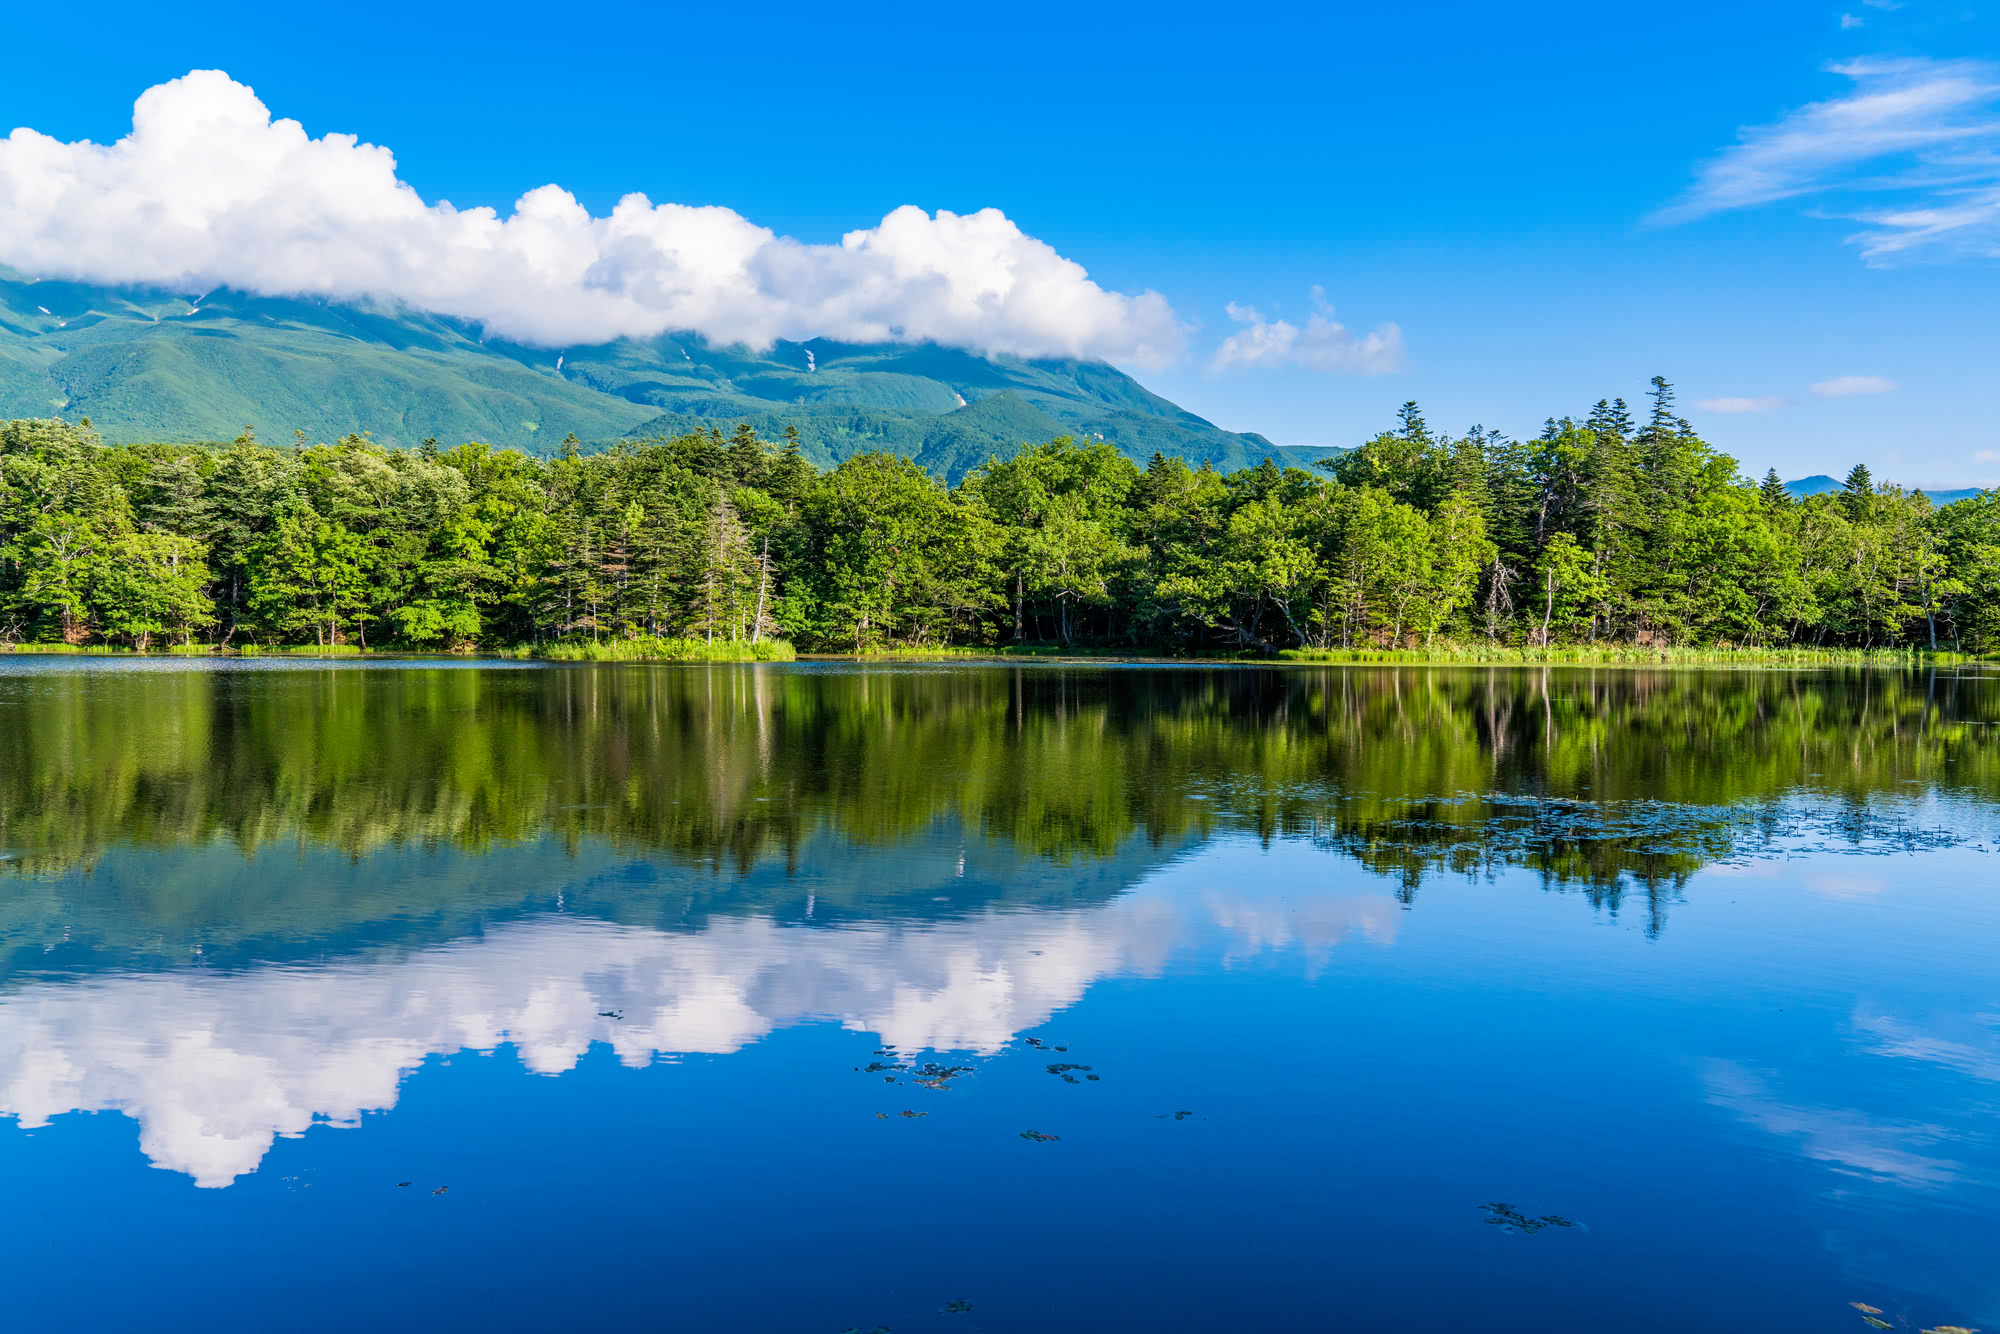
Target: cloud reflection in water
[215,1066]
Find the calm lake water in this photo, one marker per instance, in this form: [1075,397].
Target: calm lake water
[816,998]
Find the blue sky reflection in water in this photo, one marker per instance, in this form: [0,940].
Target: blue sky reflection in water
[605,954]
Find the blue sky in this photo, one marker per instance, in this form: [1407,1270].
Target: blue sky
[1509,188]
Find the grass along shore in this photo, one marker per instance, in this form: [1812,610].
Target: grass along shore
[645,648]
[649,648]
[1445,655]
[653,648]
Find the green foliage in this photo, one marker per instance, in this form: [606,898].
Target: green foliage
[1598,535]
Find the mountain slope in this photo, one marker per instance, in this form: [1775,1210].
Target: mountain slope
[154,365]
[148,365]
[1820,484]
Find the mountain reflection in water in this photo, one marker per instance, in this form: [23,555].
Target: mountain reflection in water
[1608,781]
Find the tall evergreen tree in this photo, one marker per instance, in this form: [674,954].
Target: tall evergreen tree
[1773,492]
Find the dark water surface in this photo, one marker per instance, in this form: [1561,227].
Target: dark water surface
[970,999]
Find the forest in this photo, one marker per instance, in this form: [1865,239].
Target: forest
[1611,529]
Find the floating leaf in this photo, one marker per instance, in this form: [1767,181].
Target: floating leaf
[1879,1324]
[955,1306]
[1039,1137]
[1865,1308]
[1951,1329]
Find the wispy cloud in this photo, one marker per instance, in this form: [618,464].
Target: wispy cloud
[1979,1058]
[1768,403]
[1912,152]
[1848,1141]
[1847,386]
[1324,344]
[1851,21]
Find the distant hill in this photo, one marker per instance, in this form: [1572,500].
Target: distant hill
[151,365]
[1819,484]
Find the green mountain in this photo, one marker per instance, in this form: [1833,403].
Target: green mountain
[151,365]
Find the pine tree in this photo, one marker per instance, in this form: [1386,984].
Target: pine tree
[1469,466]
[1410,424]
[1663,422]
[1773,492]
[707,453]
[746,455]
[731,573]
[173,497]
[1857,492]
[1616,519]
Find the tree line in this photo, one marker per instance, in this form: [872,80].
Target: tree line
[1603,530]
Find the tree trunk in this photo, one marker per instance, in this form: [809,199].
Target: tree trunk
[763,582]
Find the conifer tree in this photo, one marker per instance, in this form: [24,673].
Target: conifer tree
[1773,492]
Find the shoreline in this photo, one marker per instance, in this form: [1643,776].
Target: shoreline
[1623,656]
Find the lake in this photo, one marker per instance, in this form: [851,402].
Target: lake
[818,997]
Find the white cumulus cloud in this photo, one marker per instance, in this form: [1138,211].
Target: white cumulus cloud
[1912,152]
[1847,386]
[1768,403]
[1323,344]
[216,1066]
[208,191]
